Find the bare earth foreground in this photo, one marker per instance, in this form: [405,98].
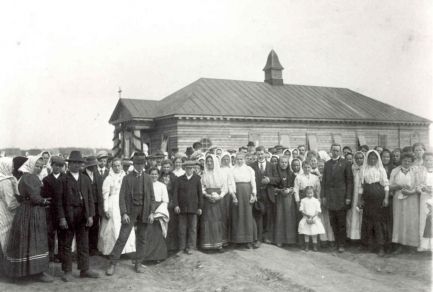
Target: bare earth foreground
[266,269]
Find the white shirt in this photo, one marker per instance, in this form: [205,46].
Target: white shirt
[101,170]
[160,190]
[56,175]
[189,177]
[262,163]
[90,173]
[76,175]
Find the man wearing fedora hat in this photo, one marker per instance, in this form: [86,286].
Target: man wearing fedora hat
[75,208]
[189,152]
[97,181]
[52,189]
[137,206]
[251,147]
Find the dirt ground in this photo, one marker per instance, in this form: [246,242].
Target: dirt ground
[268,268]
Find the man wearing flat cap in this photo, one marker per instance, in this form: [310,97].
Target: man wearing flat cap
[91,172]
[137,206]
[102,157]
[52,189]
[75,210]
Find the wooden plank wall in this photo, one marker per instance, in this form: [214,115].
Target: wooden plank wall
[233,134]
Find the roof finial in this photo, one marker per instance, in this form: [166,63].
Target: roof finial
[120,92]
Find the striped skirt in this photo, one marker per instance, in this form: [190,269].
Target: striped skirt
[27,251]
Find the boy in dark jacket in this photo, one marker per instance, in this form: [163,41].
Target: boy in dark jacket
[188,202]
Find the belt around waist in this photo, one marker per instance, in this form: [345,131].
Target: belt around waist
[373,184]
[243,183]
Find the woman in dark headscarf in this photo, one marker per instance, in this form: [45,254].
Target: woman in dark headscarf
[27,252]
[284,226]
[18,161]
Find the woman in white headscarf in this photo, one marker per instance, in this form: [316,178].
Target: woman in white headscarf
[46,169]
[214,189]
[8,203]
[111,222]
[354,214]
[227,173]
[374,190]
[27,252]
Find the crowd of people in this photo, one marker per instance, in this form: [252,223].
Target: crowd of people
[155,205]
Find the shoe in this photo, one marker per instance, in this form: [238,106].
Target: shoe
[315,247]
[341,249]
[44,278]
[67,277]
[110,270]
[189,251]
[179,253]
[307,246]
[267,241]
[279,244]
[89,274]
[399,250]
[257,244]
[381,252]
[249,246]
[139,269]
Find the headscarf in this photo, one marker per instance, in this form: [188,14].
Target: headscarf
[6,168]
[212,178]
[383,176]
[18,162]
[291,151]
[355,166]
[301,171]
[323,155]
[225,153]
[29,165]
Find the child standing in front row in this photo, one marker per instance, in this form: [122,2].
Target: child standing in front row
[310,225]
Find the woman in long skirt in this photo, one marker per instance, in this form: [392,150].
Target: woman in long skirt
[27,252]
[425,188]
[243,228]
[284,229]
[227,173]
[168,178]
[354,216]
[374,190]
[111,222]
[156,247]
[405,204]
[8,203]
[214,190]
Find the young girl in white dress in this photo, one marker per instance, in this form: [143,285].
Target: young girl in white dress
[310,225]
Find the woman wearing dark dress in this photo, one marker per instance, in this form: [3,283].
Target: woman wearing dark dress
[284,230]
[389,166]
[168,178]
[27,252]
[156,247]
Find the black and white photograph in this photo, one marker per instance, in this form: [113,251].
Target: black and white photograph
[217,146]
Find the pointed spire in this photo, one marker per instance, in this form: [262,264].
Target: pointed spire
[273,62]
[273,70]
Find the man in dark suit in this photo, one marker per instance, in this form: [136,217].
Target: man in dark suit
[75,208]
[266,179]
[137,206]
[98,200]
[102,157]
[337,193]
[52,188]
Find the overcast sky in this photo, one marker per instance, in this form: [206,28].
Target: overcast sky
[62,62]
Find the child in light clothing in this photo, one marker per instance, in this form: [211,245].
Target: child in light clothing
[310,225]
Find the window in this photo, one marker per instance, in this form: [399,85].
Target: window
[383,141]
[256,138]
[284,140]
[361,140]
[205,144]
[337,139]
[312,142]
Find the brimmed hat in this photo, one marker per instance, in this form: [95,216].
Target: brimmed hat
[189,151]
[278,146]
[251,143]
[158,154]
[139,157]
[91,161]
[126,162]
[190,163]
[57,160]
[75,156]
[258,209]
[102,154]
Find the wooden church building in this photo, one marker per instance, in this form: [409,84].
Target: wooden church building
[229,113]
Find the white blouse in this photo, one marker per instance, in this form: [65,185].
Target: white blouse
[179,172]
[302,181]
[160,190]
[373,175]
[245,173]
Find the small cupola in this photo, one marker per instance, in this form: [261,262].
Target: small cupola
[273,70]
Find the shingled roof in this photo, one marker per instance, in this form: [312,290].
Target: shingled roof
[231,98]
